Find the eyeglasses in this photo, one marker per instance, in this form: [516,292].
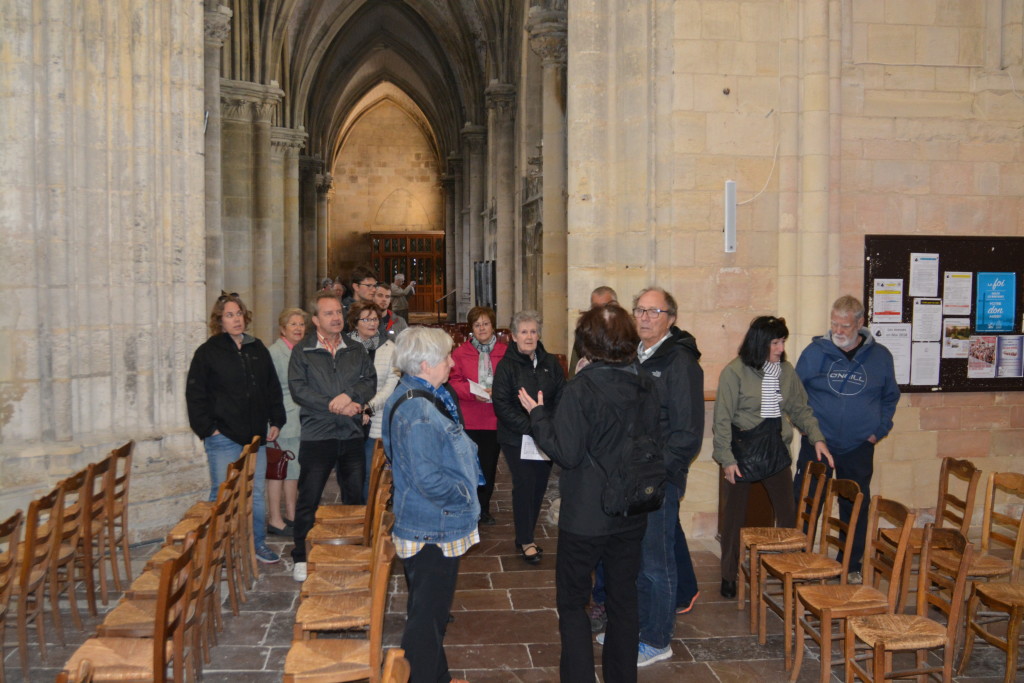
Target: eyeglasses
[367,284]
[369,320]
[651,313]
[224,296]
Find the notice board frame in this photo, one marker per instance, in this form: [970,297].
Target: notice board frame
[888,256]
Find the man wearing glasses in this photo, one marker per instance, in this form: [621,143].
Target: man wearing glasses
[671,355]
[364,284]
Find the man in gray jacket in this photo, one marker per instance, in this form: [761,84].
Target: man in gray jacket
[330,381]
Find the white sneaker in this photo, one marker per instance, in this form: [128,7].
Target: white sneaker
[299,572]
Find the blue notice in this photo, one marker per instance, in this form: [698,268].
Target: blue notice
[996,302]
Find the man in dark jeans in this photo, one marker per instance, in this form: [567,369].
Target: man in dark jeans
[330,381]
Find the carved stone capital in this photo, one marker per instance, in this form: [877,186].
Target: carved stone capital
[310,165]
[474,136]
[548,34]
[263,111]
[217,26]
[324,183]
[284,140]
[245,101]
[501,97]
[235,108]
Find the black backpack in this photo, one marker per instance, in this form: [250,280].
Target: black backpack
[635,485]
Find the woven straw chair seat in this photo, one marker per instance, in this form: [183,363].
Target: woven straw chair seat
[330,583]
[843,600]
[199,509]
[340,513]
[1007,594]
[339,558]
[118,659]
[983,565]
[770,538]
[899,631]
[183,528]
[168,552]
[807,566]
[130,619]
[328,660]
[331,533]
[334,612]
[145,586]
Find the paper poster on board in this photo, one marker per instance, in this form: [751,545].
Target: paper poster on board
[924,274]
[1008,356]
[927,320]
[896,338]
[956,292]
[888,301]
[996,301]
[956,337]
[981,357]
[924,363]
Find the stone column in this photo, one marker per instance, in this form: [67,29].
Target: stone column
[287,144]
[501,100]
[547,28]
[263,223]
[324,190]
[217,24]
[473,139]
[450,226]
[309,168]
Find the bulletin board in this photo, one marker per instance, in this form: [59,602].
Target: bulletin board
[951,310]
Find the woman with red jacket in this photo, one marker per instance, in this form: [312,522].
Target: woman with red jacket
[475,361]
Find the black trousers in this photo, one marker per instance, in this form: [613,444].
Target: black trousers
[431,580]
[317,459]
[577,558]
[529,482]
[780,492]
[487,451]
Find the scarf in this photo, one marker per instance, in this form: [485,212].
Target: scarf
[771,394]
[371,344]
[484,369]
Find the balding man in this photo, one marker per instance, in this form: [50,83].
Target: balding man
[601,296]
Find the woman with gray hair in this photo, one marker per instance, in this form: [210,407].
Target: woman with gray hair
[528,366]
[292,324]
[436,473]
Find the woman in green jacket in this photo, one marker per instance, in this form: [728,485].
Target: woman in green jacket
[755,390]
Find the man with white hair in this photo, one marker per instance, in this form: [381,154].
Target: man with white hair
[400,296]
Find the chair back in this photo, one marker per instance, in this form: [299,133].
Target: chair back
[815,475]
[74,512]
[172,607]
[97,488]
[884,561]
[953,511]
[10,535]
[1000,528]
[835,533]
[42,524]
[378,603]
[939,588]
[121,466]
[396,666]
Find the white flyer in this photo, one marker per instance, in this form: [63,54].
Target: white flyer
[888,301]
[927,320]
[896,338]
[478,389]
[924,274]
[924,364]
[956,292]
[530,450]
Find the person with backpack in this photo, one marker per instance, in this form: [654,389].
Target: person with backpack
[606,417]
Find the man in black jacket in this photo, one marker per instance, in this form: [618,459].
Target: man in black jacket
[671,355]
[330,380]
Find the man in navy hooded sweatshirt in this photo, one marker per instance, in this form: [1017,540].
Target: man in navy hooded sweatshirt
[851,386]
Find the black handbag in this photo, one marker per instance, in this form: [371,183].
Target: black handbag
[760,452]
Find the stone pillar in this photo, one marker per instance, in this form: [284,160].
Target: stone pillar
[501,99]
[324,190]
[547,28]
[263,224]
[217,24]
[451,225]
[309,169]
[473,139]
[287,145]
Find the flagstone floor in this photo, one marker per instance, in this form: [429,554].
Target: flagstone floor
[505,625]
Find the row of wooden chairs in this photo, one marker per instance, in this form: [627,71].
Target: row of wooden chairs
[71,534]
[213,536]
[808,605]
[349,557]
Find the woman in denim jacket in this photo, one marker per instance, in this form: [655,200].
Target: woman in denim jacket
[436,509]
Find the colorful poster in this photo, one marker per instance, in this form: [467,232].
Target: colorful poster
[956,335]
[1008,356]
[996,302]
[956,292]
[888,301]
[981,357]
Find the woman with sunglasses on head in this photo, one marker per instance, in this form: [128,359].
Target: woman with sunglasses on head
[364,320]
[756,390]
[233,394]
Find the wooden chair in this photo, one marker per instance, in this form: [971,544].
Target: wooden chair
[758,540]
[396,667]
[92,544]
[951,511]
[35,553]
[10,534]
[356,513]
[358,533]
[146,659]
[245,540]
[62,562]
[334,558]
[828,605]
[789,569]
[886,634]
[117,513]
[347,659]
[1002,601]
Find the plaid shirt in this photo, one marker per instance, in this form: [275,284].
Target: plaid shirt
[457,548]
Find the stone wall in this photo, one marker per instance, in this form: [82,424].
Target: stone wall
[101,213]
[836,119]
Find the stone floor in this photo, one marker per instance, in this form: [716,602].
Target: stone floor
[505,626]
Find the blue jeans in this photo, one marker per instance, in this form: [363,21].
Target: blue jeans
[656,585]
[221,452]
[686,587]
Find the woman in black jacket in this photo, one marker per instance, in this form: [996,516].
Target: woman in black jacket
[610,398]
[526,365]
[233,394]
